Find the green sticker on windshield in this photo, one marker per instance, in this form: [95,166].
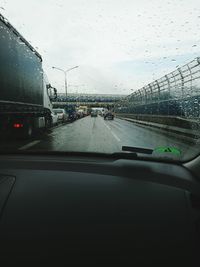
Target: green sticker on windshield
[166,149]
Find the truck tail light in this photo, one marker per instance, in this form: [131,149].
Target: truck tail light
[18,125]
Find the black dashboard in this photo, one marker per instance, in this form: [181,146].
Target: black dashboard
[97,211]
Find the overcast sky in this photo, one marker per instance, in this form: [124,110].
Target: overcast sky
[119,45]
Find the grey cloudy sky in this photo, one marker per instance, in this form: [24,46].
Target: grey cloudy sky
[118,45]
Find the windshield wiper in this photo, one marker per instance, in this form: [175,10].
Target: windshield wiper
[137,149]
[131,152]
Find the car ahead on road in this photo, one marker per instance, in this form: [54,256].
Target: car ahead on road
[80,114]
[93,113]
[99,112]
[63,116]
[54,117]
[109,116]
[72,113]
[72,116]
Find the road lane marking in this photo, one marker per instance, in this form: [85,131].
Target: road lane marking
[30,145]
[116,137]
[106,125]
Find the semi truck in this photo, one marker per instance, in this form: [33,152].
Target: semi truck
[84,110]
[25,93]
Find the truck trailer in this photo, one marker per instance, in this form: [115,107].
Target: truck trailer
[25,93]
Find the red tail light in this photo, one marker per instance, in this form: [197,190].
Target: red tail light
[18,125]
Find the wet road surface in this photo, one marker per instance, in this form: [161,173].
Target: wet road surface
[94,134]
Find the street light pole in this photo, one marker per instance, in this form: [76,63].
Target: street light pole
[65,73]
[65,83]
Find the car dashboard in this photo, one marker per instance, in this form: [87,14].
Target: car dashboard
[97,211]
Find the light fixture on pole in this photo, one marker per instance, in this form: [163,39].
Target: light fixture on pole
[65,73]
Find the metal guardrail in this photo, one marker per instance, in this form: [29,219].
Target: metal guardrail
[177,93]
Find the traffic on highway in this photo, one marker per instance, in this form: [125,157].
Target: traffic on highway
[100,133]
[94,133]
[159,120]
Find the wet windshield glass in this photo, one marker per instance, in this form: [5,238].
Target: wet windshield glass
[126,74]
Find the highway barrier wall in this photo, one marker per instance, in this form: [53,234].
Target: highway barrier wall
[176,126]
[171,103]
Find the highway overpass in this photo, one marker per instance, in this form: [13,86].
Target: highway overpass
[84,103]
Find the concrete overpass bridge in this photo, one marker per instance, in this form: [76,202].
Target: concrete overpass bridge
[82,103]
[89,100]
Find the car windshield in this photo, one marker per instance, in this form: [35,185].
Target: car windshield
[126,73]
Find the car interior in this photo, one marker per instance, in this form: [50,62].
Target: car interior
[122,188]
[98,209]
